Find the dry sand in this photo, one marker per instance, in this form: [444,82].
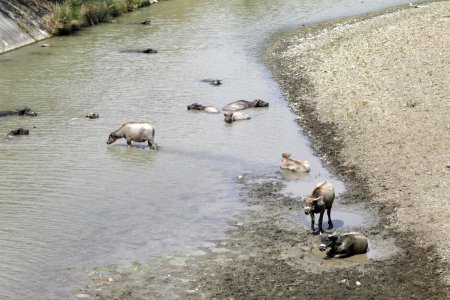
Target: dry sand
[383,84]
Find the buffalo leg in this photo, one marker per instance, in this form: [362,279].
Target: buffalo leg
[129,143]
[320,221]
[312,221]
[330,224]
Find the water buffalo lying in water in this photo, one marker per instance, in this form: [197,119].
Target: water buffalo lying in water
[344,245]
[18,131]
[320,200]
[294,165]
[230,117]
[208,109]
[243,104]
[213,81]
[26,111]
[136,132]
[92,115]
[148,51]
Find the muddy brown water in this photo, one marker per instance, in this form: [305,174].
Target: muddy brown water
[69,203]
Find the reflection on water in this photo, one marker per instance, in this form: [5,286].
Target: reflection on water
[69,202]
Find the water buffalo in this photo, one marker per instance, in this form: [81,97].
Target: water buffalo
[320,200]
[136,132]
[18,131]
[230,117]
[344,245]
[213,81]
[294,165]
[208,109]
[149,50]
[243,104]
[92,115]
[26,111]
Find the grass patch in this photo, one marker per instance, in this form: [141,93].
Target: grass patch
[71,15]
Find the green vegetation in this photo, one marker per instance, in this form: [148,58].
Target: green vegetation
[71,15]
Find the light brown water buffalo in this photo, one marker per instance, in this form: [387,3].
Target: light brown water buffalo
[294,165]
[208,109]
[320,200]
[243,104]
[92,115]
[135,131]
[344,245]
[230,117]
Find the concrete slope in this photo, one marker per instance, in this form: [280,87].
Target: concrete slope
[21,23]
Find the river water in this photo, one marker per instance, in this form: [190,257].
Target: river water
[69,202]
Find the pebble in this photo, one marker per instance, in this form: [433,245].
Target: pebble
[358,283]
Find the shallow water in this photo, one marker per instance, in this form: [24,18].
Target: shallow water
[69,202]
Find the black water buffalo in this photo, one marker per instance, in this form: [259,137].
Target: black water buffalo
[344,245]
[213,81]
[26,111]
[18,131]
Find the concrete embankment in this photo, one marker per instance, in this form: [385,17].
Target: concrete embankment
[21,23]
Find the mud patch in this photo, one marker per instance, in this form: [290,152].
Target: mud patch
[266,256]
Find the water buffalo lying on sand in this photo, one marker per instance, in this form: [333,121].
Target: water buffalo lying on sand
[243,104]
[320,200]
[135,131]
[213,81]
[230,117]
[294,165]
[208,109]
[26,111]
[344,245]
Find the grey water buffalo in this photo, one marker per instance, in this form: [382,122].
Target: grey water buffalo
[135,131]
[26,111]
[208,109]
[344,245]
[243,104]
[213,81]
[294,165]
[230,117]
[320,200]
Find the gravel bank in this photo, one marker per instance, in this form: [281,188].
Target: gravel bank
[374,94]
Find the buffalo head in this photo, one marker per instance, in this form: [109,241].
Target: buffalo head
[261,103]
[26,111]
[314,205]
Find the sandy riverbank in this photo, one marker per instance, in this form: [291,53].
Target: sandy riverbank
[381,86]
[373,93]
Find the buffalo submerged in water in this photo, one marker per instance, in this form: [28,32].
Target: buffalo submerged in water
[26,111]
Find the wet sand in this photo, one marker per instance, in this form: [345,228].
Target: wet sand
[373,94]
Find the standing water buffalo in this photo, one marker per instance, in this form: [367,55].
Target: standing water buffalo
[26,111]
[243,104]
[136,132]
[294,165]
[321,198]
[344,245]
[208,109]
[230,117]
